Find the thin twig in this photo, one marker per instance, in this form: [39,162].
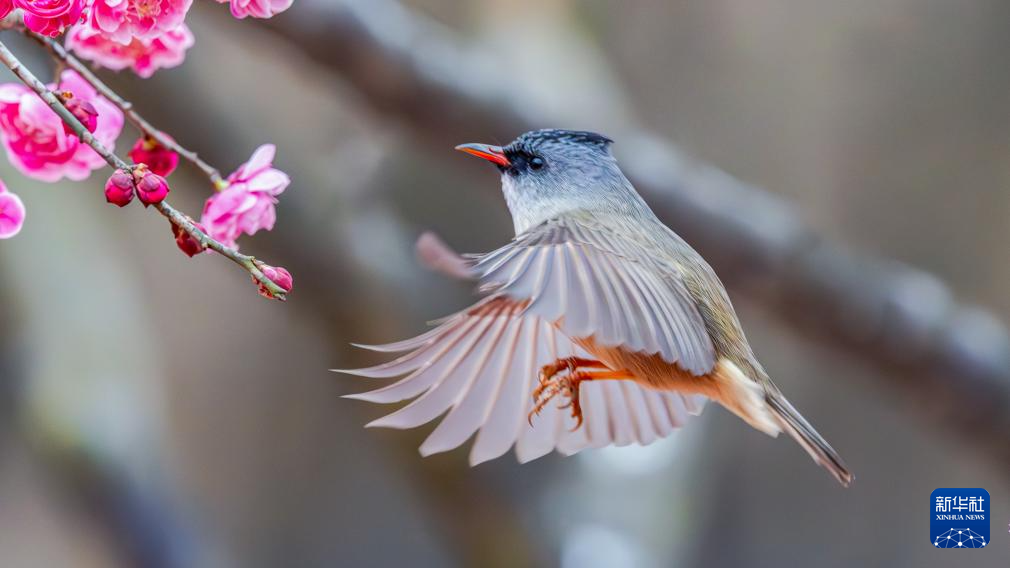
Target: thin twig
[64,57]
[250,264]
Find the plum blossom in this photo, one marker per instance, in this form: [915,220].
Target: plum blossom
[158,158]
[258,8]
[34,137]
[247,204]
[124,20]
[144,56]
[50,17]
[12,213]
[6,6]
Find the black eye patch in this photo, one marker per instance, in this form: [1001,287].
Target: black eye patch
[522,161]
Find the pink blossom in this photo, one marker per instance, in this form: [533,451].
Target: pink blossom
[276,274]
[144,56]
[34,137]
[258,8]
[5,7]
[12,213]
[158,158]
[51,17]
[247,204]
[124,20]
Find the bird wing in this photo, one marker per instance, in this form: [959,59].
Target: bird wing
[593,282]
[565,279]
[480,365]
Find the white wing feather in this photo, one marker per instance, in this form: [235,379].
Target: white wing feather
[557,282]
[479,367]
[594,283]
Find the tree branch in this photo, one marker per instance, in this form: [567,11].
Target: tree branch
[63,57]
[250,264]
[951,360]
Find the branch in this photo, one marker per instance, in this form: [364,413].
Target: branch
[250,264]
[951,360]
[63,57]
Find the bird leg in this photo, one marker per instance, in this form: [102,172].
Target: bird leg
[547,372]
[550,386]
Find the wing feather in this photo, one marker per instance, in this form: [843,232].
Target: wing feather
[612,286]
[560,282]
[659,413]
[467,361]
[508,412]
[538,440]
[473,408]
[640,413]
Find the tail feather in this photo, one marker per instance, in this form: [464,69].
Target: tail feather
[796,426]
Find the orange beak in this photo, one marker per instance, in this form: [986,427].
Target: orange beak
[486,151]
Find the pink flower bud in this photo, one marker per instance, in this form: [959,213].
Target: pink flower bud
[158,158]
[83,110]
[151,188]
[119,189]
[186,242]
[278,276]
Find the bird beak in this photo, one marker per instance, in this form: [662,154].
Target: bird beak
[490,153]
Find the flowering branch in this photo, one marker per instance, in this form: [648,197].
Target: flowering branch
[178,219]
[64,57]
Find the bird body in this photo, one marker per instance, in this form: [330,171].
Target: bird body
[595,301]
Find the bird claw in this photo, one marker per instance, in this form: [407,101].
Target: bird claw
[551,387]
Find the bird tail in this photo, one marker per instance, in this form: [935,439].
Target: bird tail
[796,426]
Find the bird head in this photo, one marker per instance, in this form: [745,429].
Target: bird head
[547,173]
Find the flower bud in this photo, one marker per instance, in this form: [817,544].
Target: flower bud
[279,276]
[119,188]
[83,110]
[151,188]
[186,242]
[158,158]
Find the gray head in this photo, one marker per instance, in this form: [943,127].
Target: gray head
[547,173]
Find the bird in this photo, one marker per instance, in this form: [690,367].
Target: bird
[596,305]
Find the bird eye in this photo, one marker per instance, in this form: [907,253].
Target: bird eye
[537,163]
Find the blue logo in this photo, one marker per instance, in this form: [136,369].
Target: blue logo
[959,518]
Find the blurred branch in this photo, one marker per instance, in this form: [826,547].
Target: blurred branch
[952,360]
[250,264]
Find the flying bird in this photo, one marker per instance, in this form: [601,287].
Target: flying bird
[596,305]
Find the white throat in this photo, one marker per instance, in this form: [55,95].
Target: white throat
[529,211]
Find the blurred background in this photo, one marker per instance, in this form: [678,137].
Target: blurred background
[154,411]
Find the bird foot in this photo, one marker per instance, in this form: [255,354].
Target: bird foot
[551,386]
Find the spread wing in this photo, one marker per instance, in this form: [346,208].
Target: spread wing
[594,283]
[481,364]
[562,280]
